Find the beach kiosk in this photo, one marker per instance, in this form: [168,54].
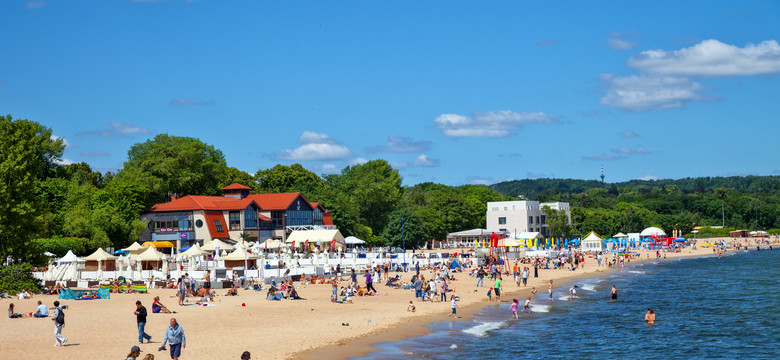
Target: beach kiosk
[592,242]
[100,259]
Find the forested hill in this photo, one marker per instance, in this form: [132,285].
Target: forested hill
[544,189]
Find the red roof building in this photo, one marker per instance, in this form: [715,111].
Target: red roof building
[237,214]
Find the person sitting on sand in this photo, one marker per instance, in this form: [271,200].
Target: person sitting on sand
[411,307]
[57,289]
[12,314]
[233,291]
[158,307]
[650,316]
[533,290]
[24,295]
[205,295]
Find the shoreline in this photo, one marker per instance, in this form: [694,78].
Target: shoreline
[363,346]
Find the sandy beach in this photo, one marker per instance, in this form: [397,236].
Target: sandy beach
[302,329]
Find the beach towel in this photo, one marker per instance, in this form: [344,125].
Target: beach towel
[139,289]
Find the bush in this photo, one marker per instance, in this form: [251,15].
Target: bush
[60,245]
[18,277]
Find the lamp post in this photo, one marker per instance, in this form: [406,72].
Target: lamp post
[403,240]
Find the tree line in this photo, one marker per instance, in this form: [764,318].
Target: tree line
[50,206]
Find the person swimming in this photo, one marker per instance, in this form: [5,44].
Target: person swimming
[650,316]
[613,293]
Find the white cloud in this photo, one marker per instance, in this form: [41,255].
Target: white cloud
[357,161]
[35,4]
[191,102]
[310,137]
[117,129]
[315,147]
[605,157]
[648,177]
[640,93]
[629,134]
[308,152]
[94,153]
[64,141]
[629,151]
[490,124]
[617,41]
[711,58]
[620,44]
[64,161]
[402,144]
[424,161]
[327,169]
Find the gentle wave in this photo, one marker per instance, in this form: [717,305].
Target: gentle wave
[588,287]
[483,328]
[637,272]
[540,308]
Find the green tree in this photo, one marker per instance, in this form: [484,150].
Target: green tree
[558,222]
[374,186]
[27,154]
[174,165]
[415,233]
[293,178]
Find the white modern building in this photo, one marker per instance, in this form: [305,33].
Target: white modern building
[521,216]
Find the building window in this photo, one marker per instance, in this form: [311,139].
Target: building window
[501,229]
[502,221]
[199,223]
[317,216]
[544,219]
[530,219]
[234,220]
[299,217]
[277,217]
[218,224]
[537,220]
[250,218]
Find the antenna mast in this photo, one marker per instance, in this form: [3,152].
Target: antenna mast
[602,173]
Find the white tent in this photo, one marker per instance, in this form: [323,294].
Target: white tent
[238,254]
[620,235]
[509,242]
[351,240]
[69,258]
[529,235]
[300,236]
[99,255]
[592,242]
[135,249]
[194,250]
[217,243]
[653,231]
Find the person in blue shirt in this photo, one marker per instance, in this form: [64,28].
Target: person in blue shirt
[42,311]
[175,336]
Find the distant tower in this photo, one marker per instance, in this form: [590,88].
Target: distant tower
[602,173]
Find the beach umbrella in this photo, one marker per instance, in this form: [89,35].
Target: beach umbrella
[129,268]
[354,258]
[165,266]
[49,275]
[178,266]
[118,266]
[137,276]
[74,274]
[99,275]
[316,257]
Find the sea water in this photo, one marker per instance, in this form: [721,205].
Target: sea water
[705,308]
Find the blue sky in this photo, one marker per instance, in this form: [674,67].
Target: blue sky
[450,92]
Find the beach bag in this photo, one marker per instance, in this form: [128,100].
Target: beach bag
[60,319]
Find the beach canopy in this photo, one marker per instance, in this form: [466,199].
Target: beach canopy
[69,257]
[529,235]
[238,254]
[351,240]
[273,244]
[455,265]
[680,239]
[212,246]
[100,255]
[194,251]
[135,249]
[592,237]
[507,242]
[653,231]
[300,236]
[158,244]
[151,254]
[620,235]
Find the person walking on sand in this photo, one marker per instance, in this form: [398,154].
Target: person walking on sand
[370,283]
[525,276]
[550,289]
[140,317]
[480,276]
[59,323]
[181,290]
[513,307]
[175,336]
[613,293]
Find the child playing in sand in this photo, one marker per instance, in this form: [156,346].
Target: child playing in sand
[513,307]
[411,307]
[533,290]
[490,294]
